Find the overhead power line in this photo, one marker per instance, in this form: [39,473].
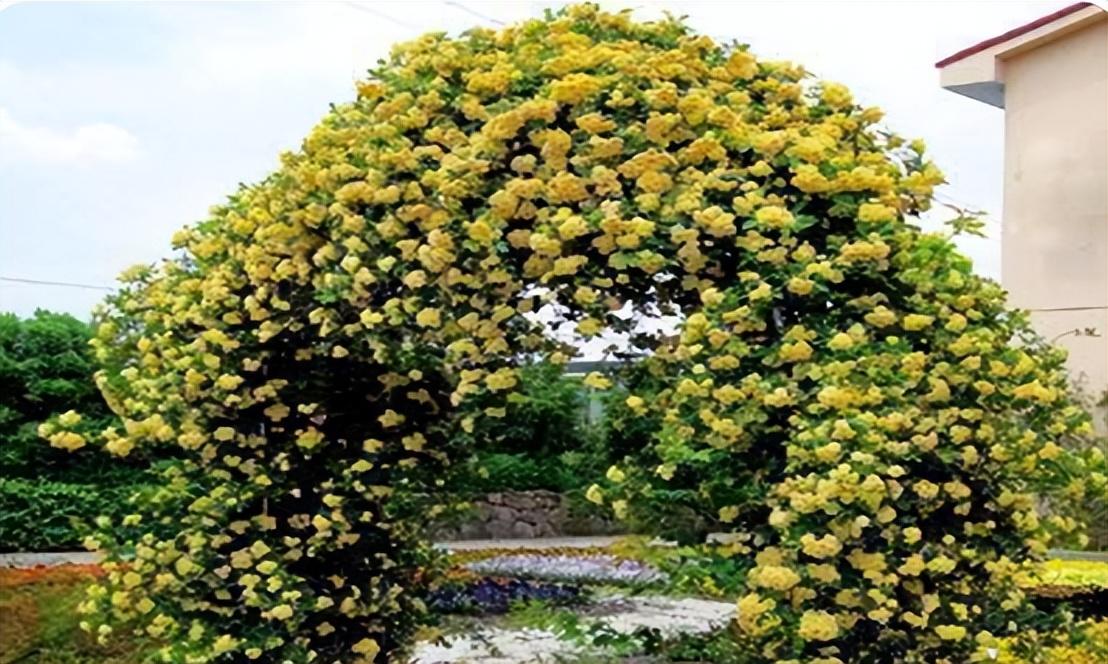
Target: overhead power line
[472,12]
[66,284]
[380,14]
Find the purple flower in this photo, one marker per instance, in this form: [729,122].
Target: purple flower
[493,595]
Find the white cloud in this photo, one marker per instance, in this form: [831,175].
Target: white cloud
[97,142]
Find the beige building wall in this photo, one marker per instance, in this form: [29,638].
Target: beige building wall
[1055,222]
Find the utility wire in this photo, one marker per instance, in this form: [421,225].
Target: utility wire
[472,12]
[380,14]
[67,284]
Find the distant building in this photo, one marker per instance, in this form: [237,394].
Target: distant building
[1051,78]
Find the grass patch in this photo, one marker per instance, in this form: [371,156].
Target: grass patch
[40,623]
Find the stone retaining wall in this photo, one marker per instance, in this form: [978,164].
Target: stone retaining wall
[521,515]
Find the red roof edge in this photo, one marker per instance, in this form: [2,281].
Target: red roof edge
[1012,34]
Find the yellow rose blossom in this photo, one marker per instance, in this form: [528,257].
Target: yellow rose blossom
[881,316]
[841,341]
[666,471]
[429,318]
[367,648]
[875,213]
[67,440]
[915,322]
[69,418]
[750,610]
[778,398]
[1036,391]
[654,182]
[774,217]
[501,379]
[950,632]
[864,251]
[817,626]
[836,95]
[823,547]
[574,88]
[225,643]
[775,577]
[281,612]
[795,352]
[590,327]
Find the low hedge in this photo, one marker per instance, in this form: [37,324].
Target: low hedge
[43,515]
[495,471]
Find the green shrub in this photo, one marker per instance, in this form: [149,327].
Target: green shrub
[495,471]
[625,432]
[542,442]
[45,369]
[545,419]
[41,515]
[1093,505]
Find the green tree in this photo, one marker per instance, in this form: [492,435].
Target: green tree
[544,440]
[548,417]
[46,369]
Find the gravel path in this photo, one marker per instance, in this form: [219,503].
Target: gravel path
[47,559]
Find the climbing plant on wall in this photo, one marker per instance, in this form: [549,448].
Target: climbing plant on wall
[845,396]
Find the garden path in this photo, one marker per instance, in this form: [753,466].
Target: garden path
[85,558]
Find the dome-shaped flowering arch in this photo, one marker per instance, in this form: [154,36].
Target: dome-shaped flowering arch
[845,393]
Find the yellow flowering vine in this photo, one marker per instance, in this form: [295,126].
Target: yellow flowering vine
[845,398]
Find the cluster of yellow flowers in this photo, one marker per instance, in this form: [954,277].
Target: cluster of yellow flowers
[844,391]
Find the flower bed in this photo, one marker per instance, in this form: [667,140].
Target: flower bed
[590,568]
[39,622]
[497,595]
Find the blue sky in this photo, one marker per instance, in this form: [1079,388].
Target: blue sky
[121,122]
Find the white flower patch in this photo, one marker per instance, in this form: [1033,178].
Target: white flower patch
[496,645]
[590,568]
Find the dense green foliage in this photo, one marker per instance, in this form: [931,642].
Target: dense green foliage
[44,515]
[489,472]
[45,370]
[544,441]
[546,418]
